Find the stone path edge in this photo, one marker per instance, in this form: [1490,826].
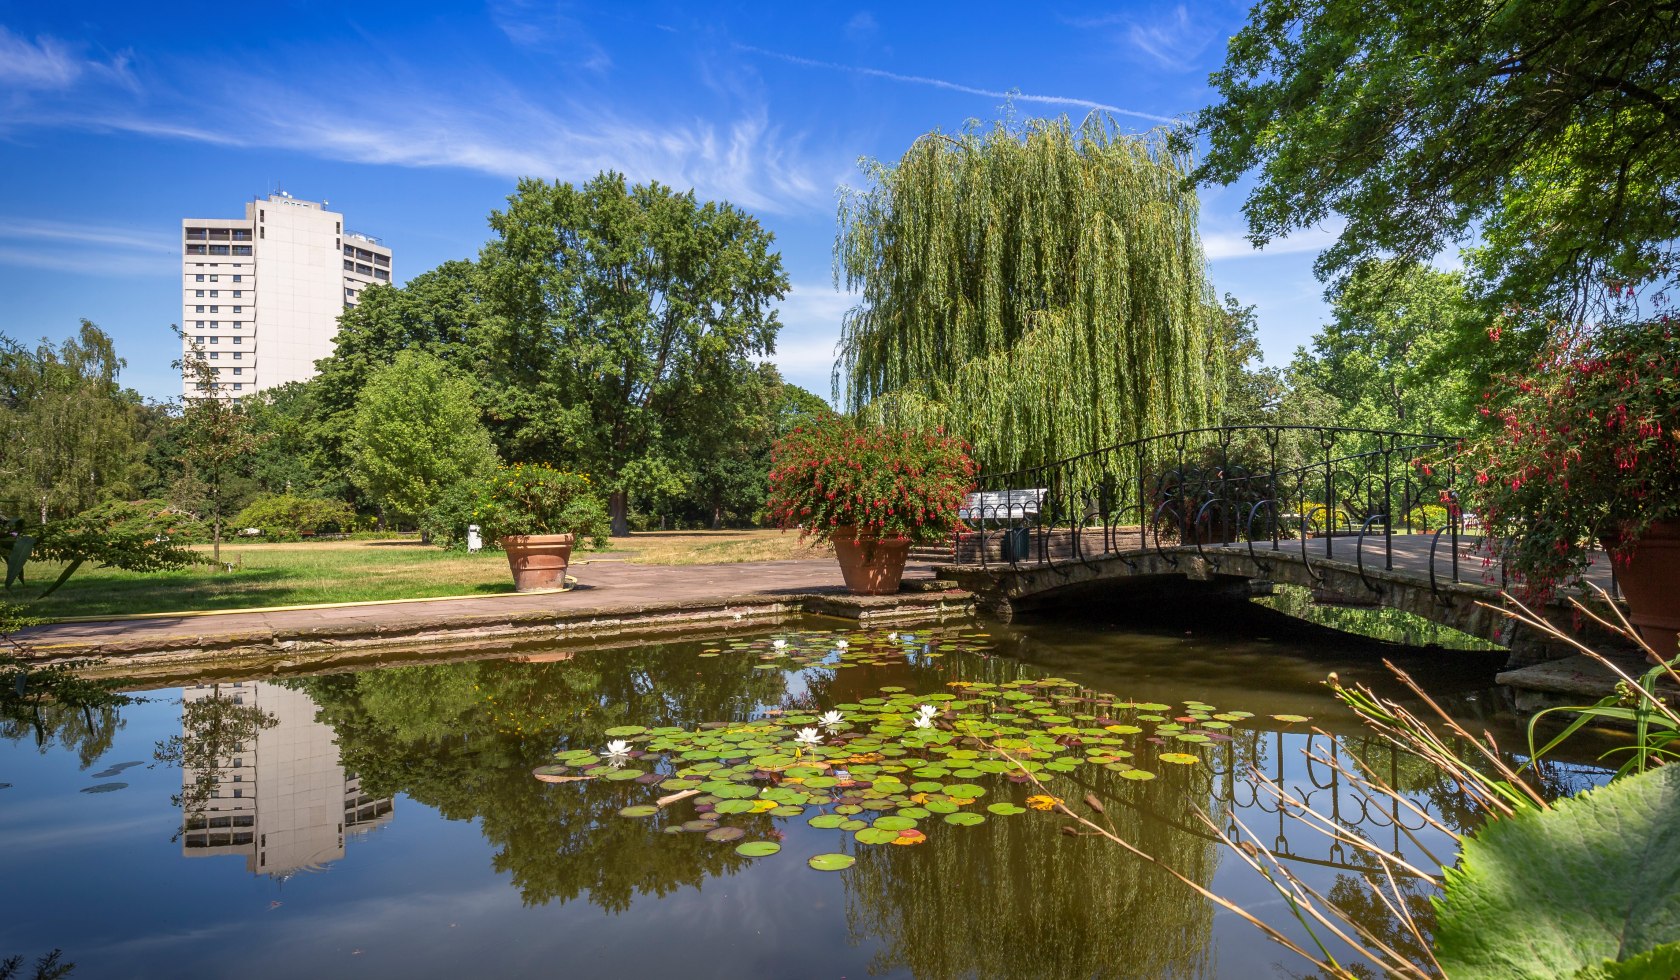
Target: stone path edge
[147,654]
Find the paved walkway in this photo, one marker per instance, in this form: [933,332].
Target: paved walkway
[604,586]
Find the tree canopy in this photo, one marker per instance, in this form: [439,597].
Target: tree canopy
[616,316]
[70,432]
[1548,127]
[416,434]
[1039,289]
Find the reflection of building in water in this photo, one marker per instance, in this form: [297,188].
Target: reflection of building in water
[281,799]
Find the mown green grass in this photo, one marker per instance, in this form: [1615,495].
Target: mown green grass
[309,572]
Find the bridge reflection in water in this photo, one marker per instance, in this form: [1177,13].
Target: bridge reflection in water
[1359,516]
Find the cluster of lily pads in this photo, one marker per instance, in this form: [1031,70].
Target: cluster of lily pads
[886,767]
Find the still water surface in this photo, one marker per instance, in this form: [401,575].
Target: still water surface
[387,824]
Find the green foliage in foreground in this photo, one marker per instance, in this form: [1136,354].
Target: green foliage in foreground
[1593,881]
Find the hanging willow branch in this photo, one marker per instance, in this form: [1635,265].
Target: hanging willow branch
[1039,290]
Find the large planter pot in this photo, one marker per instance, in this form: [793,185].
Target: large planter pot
[870,565]
[1649,577]
[538,561]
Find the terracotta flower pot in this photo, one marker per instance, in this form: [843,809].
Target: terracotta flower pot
[1650,580]
[870,565]
[538,561]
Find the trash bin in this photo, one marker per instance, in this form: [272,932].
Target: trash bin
[1017,544]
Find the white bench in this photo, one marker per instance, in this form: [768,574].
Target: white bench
[1002,505]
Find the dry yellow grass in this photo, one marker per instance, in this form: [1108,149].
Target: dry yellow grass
[715,547]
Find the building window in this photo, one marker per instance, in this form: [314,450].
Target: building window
[214,339]
[198,292]
[237,387]
[239,370]
[382,274]
[349,266]
[215,309]
[238,292]
[199,323]
[215,249]
[214,355]
[196,249]
[239,309]
[215,278]
[214,293]
[238,793]
[236,354]
[242,250]
[239,340]
[198,309]
[215,323]
[238,278]
[201,277]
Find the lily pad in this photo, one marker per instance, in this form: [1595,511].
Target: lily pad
[1005,809]
[826,821]
[1292,718]
[831,862]
[625,731]
[758,848]
[965,819]
[724,835]
[736,806]
[875,835]
[1178,758]
[894,823]
[639,810]
[1141,775]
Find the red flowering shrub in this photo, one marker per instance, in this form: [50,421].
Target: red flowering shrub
[834,473]
[1587,446]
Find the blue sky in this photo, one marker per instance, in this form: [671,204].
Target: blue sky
[415,120]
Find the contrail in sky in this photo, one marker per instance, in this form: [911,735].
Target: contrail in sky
[954,87]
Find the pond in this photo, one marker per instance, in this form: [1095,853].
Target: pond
[388,822]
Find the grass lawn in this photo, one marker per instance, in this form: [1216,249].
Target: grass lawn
[356,571]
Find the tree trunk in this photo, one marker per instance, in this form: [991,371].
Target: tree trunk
[717,517]
[425,536]
[216,540]
[618,506]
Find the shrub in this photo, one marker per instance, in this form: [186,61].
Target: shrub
[834,473]
[1587,446]
[283,517]
[535,498]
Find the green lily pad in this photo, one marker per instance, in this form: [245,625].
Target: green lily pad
[724,835]
[876,835]
[965,819]
[640,810]
[625,731]
[735,806]
[1138,774]
[894,823]
[826,821]
[831,862]
[758,848]
[1179,758]
[1292,718]
[1005,809]
[622,775]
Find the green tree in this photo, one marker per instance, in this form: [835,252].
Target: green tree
[1252,392]
[615,316]
[1040,290]
[1405,350]
[71,432]
[437,312]
[416,434]
[1549,126]
[216,437]
[302,447]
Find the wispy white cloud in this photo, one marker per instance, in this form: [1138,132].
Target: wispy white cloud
[47,63]
[949,86]
[61,246]
[549,24]
[861,26]
[34,229]
[1219,245]
[488,127]
[1172,41]
[810,315]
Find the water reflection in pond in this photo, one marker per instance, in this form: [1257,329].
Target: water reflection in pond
[477,867]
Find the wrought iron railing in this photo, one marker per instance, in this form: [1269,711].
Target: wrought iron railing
[1266,486]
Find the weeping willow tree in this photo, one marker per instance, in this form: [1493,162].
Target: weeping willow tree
[1039,289]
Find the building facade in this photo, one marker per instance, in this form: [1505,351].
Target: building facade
[261,295]
[281,799]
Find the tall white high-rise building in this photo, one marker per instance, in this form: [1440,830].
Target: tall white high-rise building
[281,800]
[261,295]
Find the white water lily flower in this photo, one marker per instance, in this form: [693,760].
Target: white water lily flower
[808,736]
[618,746]
[831,719]
[927,711]
[778,644]
[841,644]
[922,721]
[892,637]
